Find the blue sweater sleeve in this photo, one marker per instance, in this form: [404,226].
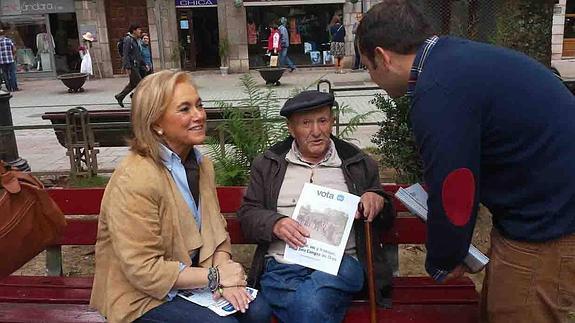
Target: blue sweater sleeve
[447,129]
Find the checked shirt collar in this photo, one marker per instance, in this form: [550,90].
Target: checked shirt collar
[417,66]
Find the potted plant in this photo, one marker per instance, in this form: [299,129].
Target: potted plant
[223,51]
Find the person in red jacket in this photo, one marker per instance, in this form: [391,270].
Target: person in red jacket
[274,44]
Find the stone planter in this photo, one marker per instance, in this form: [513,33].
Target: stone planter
[272,75]
[74,81]
[224,70]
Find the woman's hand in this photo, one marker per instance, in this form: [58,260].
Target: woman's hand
[232,274]
[237,296]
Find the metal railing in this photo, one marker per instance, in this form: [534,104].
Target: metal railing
[82,145]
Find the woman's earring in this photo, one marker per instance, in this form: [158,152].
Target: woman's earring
[160,132]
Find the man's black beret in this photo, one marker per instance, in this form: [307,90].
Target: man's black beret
[307,100]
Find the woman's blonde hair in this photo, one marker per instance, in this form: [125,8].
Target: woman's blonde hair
[150,101]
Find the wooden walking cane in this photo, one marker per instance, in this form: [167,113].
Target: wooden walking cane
[370,275]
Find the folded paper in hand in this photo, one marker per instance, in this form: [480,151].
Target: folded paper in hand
[415,199]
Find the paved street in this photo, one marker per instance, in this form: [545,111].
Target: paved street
[43,152]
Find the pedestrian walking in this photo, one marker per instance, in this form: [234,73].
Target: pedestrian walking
[131,61]
[7,61]
[492,126]
[146,51]
[284,42]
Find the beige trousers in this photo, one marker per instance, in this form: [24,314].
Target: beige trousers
[529,282]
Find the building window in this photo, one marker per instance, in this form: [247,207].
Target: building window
[307,25]
[569,30]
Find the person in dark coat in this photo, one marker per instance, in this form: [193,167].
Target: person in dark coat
[131,61]
[492,126]
[311,154]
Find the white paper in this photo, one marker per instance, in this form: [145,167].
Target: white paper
[415,199]
[328,214]
[203,297]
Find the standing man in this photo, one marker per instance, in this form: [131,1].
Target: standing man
[131,61]
[284,38]
[492,126]
[311,155]
[357,59]
[146,51]
[7,62]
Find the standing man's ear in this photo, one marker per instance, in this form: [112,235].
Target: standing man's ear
[382,57]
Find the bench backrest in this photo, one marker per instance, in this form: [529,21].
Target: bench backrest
[86,202]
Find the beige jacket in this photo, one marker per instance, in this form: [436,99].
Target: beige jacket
[145,230]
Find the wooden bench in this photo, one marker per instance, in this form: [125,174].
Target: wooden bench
[111,128]
[65,299]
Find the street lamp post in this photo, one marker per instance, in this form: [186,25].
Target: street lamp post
[8,147]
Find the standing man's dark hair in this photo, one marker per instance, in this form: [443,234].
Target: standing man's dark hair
[396,25]
[133,27]
[492,126]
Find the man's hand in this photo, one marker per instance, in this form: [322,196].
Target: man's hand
[457,272]
[293,233]
[370,205]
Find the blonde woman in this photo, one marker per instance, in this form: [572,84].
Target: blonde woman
[160,229]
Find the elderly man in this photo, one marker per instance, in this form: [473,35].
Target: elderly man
[310,155]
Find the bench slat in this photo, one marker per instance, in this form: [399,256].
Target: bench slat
[86,201]
[32,312]
[359,313]
[76,290]
[406,230]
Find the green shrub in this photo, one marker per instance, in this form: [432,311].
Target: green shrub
[248,133]
[395,139]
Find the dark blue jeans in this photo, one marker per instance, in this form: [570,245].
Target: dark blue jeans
[9,74]
[284,58]
[180,310]
[298,294]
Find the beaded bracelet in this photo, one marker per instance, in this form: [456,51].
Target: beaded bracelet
[213,278]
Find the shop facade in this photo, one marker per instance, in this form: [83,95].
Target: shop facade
[307,24]
[45,33]
[198,34]
[184,33]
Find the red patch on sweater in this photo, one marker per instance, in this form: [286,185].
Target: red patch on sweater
[458,194]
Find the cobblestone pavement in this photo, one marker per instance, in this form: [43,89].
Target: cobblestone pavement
[43,152]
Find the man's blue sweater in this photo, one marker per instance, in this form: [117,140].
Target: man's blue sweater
[492,126]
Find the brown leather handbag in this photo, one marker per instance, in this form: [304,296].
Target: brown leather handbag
[29,219]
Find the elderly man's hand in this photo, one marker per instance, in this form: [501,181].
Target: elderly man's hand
[370,205]
[293,233]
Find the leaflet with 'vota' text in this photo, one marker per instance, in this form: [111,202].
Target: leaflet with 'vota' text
[328,215]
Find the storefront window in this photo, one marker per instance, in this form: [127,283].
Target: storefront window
[44,43]
[308,32]
[25,30]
